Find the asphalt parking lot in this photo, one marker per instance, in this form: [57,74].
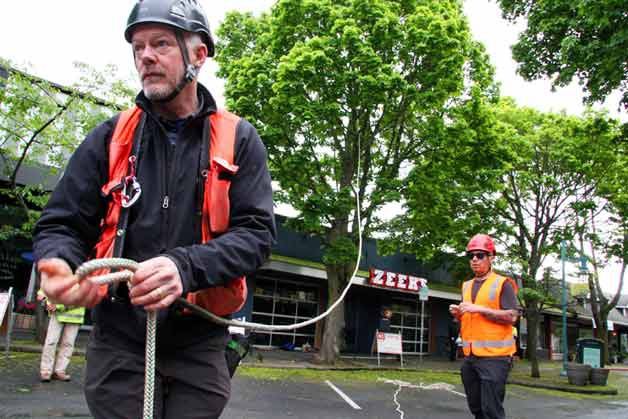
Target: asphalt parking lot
[389,399]
[23,396]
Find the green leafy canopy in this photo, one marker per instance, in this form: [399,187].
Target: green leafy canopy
[564,39]
[332,83]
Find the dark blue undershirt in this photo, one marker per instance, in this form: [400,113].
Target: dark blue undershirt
[173,128]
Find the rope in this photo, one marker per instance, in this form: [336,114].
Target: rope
[129,266]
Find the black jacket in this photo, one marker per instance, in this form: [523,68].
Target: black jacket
[70,224]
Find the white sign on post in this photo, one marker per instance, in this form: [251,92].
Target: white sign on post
[388,343]
[4,304]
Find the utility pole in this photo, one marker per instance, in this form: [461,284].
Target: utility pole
[563,256]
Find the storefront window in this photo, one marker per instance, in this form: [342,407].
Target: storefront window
[406,319]
[281,302]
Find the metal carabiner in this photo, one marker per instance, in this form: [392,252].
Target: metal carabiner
[128,199]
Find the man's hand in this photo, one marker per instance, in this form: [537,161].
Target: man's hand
[51,307]
[498,316]
[156,284]
[61,286]
[470,308]
[454,310]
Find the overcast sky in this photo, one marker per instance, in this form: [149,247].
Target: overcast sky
[49,36]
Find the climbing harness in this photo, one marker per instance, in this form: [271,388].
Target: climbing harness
[216,168]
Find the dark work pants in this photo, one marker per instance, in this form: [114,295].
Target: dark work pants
[484,382]
[192,383]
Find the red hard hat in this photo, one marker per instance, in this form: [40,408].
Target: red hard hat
[481,242]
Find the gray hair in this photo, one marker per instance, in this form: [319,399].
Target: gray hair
[193,40]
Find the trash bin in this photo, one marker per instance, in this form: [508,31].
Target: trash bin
[589,351]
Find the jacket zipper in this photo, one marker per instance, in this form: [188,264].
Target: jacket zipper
[165,201]
[169,181]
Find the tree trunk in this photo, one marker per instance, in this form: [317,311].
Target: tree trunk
[601,332]
[335,322]
[532,316]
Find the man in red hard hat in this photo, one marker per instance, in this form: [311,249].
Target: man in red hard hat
[487,312]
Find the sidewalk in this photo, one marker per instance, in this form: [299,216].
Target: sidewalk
[24,341]
[269,358]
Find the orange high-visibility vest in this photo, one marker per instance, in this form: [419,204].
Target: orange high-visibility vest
[480,336]
[220,300]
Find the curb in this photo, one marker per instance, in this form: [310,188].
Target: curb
[605,392]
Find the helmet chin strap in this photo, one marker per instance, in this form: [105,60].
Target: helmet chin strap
[191,71]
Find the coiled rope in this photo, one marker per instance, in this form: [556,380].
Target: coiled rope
[129,266]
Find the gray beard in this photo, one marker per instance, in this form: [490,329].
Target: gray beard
[157,94]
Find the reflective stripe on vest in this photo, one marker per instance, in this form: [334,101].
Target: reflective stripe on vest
[481,336]
[221,300]
[489,343]
[75,315]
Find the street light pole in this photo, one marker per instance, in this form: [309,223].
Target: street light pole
[563,256]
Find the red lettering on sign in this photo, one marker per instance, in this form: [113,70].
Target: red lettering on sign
[414,284]
[394,280]
[402,281]
[391,280]
[377,277]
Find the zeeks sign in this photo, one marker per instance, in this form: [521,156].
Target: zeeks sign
[397,281]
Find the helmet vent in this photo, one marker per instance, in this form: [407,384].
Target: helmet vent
[178,9]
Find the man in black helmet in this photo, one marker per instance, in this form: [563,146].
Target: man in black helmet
[162,226]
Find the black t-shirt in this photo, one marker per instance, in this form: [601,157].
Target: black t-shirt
[507,299]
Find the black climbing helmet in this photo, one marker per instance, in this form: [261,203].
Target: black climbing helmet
[186,15]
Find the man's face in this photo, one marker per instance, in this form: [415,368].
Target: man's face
[158,60]
[479,261]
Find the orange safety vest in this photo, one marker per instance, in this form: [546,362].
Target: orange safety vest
[481,336]
[220,300]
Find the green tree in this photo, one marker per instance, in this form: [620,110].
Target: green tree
[539,202]
[41,123]
[331,84]
[564,39]
[603,219]
[524,196]
[538,205]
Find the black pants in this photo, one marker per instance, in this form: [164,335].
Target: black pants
[484,382]
[194,382]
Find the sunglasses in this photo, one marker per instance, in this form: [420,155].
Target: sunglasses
[477,255]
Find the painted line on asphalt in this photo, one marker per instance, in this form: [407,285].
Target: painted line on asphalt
[343,395]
